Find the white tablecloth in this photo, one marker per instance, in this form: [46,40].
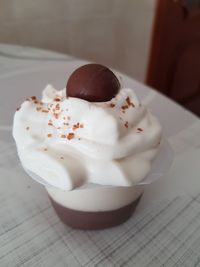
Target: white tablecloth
[165,230]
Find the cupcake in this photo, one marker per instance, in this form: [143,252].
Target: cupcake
[92,145]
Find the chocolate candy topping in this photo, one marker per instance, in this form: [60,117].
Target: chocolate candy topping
[94,83]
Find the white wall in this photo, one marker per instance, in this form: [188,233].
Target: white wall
[113,32]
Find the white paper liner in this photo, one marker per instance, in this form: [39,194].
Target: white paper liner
[160,167]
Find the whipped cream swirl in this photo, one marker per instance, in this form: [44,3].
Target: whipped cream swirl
[70,142]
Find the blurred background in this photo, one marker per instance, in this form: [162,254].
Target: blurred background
[156,42]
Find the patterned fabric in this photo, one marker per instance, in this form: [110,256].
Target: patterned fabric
[164,231]
[167,233]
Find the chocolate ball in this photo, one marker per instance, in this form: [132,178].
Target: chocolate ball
[93,82]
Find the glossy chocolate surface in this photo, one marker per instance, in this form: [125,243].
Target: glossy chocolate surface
[93,82]
[94,220]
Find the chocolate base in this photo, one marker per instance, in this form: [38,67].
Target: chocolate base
[94,220]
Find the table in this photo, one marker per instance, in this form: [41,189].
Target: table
[165,230]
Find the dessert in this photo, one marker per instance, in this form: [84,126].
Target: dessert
[90,144]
